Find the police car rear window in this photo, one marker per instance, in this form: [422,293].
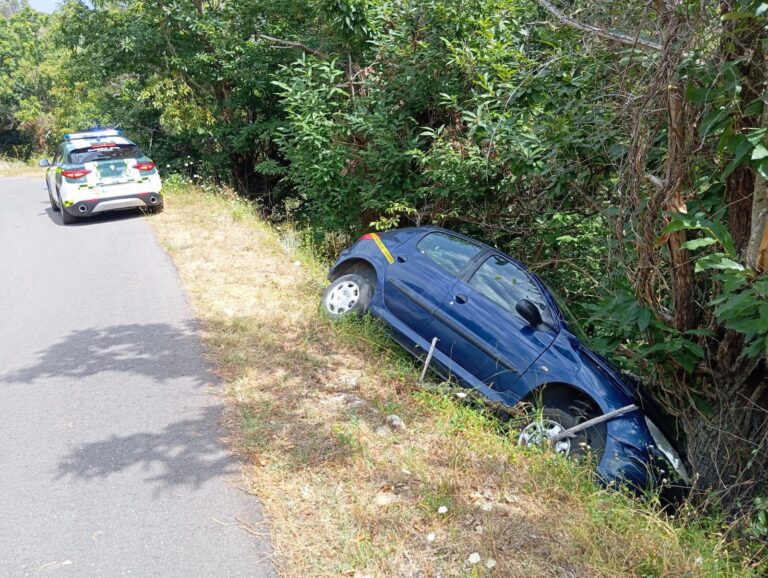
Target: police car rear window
[104,152]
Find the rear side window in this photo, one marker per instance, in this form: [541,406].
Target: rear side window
[104,152]
[505,283]
[449,252]
[59,155]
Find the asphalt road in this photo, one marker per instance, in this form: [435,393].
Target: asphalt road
[111,462]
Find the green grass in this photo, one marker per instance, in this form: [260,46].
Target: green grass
[343,499]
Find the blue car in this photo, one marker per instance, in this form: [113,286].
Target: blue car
[500,331]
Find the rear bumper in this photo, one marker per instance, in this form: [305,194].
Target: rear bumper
[89,207]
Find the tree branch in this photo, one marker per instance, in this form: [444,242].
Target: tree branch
[602,33]
[291,44]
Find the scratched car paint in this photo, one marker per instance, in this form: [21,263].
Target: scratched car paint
[500,330]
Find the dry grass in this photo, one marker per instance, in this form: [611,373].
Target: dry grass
[347,497]
[14,168]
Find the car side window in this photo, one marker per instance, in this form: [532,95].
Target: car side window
[448,252]
[57,157]
[503,282]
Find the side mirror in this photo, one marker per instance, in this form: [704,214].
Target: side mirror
[528,311]
[43,163]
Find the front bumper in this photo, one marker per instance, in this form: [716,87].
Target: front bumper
[88,207]
[631,456]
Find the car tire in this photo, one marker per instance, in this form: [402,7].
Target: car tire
[54,207]
[541,424]
[66,218]
[155,209]
[347,295]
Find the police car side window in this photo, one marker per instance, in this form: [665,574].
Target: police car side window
[57,158]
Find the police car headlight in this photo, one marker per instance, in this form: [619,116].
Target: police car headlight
[666,448]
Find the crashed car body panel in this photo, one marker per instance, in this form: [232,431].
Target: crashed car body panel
[430,282]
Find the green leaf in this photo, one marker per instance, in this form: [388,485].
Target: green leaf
[644,319]
[699,243]
[742,148]
[674,226]
[698,94]
[716,261]
[754,108]
[762,167]
[713,121]
[736,15]
[759,152]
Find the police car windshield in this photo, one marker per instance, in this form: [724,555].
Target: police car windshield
[104,152]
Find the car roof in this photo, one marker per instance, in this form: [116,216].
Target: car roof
[83,143]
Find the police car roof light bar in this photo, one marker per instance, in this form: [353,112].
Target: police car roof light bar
[89,134]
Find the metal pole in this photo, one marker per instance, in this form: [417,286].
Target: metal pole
[594,421]
[429,359]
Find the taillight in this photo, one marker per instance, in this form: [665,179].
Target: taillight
[365,237]
[148,166]
[74,173]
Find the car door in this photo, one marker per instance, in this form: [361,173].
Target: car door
[52,172]
[424,269]
[480,331]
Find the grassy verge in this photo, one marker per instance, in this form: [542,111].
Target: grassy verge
[14,168]
[349,494]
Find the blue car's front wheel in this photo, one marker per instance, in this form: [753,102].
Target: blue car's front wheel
[544,424]
[348,294]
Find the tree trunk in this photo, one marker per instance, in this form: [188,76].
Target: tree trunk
[742,42]
[728,442]
[728,432]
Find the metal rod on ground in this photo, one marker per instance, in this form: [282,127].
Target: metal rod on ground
[594,421]
[429,359]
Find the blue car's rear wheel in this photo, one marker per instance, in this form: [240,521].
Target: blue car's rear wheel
[347,295]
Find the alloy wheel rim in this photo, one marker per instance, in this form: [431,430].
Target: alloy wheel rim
[541,432]
[342,297]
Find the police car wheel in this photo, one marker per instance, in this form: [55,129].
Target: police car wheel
[54,207]
[66,218]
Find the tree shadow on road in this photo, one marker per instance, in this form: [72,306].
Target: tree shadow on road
[185,453]
[159,351]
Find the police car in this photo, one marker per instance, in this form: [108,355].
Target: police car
[100,170]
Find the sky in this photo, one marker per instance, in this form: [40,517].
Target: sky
[44,5]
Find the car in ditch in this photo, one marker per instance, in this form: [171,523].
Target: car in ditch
[498,329]
[100,170]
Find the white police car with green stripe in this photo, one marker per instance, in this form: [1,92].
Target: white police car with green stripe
[100,170]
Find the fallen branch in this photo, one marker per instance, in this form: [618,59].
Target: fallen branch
[635,42]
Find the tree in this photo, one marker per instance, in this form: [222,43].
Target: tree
[691,227]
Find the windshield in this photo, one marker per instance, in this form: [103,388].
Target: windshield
[573,323]
[104,152]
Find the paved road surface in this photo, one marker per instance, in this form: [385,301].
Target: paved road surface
[110,459]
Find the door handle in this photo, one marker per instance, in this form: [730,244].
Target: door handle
[402,258]
[461,298]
